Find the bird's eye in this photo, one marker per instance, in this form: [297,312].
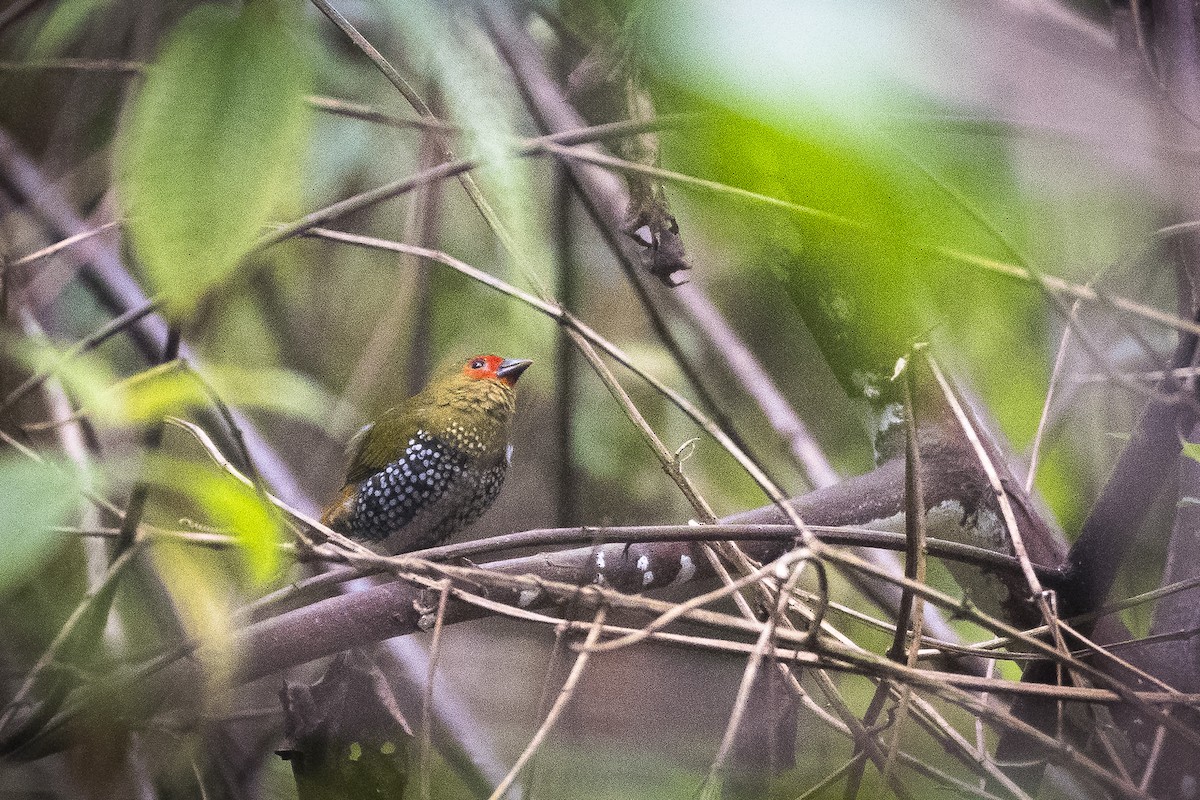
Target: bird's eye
[477,364]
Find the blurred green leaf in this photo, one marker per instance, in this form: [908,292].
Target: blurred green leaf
[280,390]
[213,143]
[34,497]
[815,107]
[473,81]
[202,592]
[64,23]
[152,394]
[229,505]
[1190,449]
[171,388]
[86,376]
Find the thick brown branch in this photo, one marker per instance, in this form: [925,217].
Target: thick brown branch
[391,610]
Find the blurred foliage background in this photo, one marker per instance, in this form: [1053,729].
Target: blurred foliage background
[885,132]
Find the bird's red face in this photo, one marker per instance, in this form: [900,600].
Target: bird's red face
[489,367]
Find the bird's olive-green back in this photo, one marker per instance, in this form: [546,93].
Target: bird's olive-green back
[468,414]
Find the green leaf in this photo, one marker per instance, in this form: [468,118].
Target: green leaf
[86,376]
[229,505]
[851,203]
[1190,449]
[279,390]
[472,79]
[159,391]
[213,144]
[63,25]
[241,510]
[152,394]
[172,388]
[34,497]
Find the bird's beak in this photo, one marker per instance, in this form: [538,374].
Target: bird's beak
[511,368]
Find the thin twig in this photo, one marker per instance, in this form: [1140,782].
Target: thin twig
[435,649]
[349,108]
[1156,749]
[910,605]
[832,777]
[560,703]
[543,707]
[89,342]
[58,246]
[97,598]
[151,442]
[793,568]
[914,559]
[1055,376]
[75,65]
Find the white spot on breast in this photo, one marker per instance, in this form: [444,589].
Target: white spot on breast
[687,570]
[527,596]
[508,451]
[600,563]
[643,563]
[648,578]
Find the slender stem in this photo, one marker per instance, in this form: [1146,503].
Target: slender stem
[1055,375]
[59,246]
[435,649]
[90,342]
[560,703]
[99,598]
[795,568]
[567,496]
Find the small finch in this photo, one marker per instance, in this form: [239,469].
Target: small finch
[430,467]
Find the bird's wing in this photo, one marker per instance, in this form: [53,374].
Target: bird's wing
[354,449]
[378,444]
[355,445]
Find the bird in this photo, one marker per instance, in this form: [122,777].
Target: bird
[433,465]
